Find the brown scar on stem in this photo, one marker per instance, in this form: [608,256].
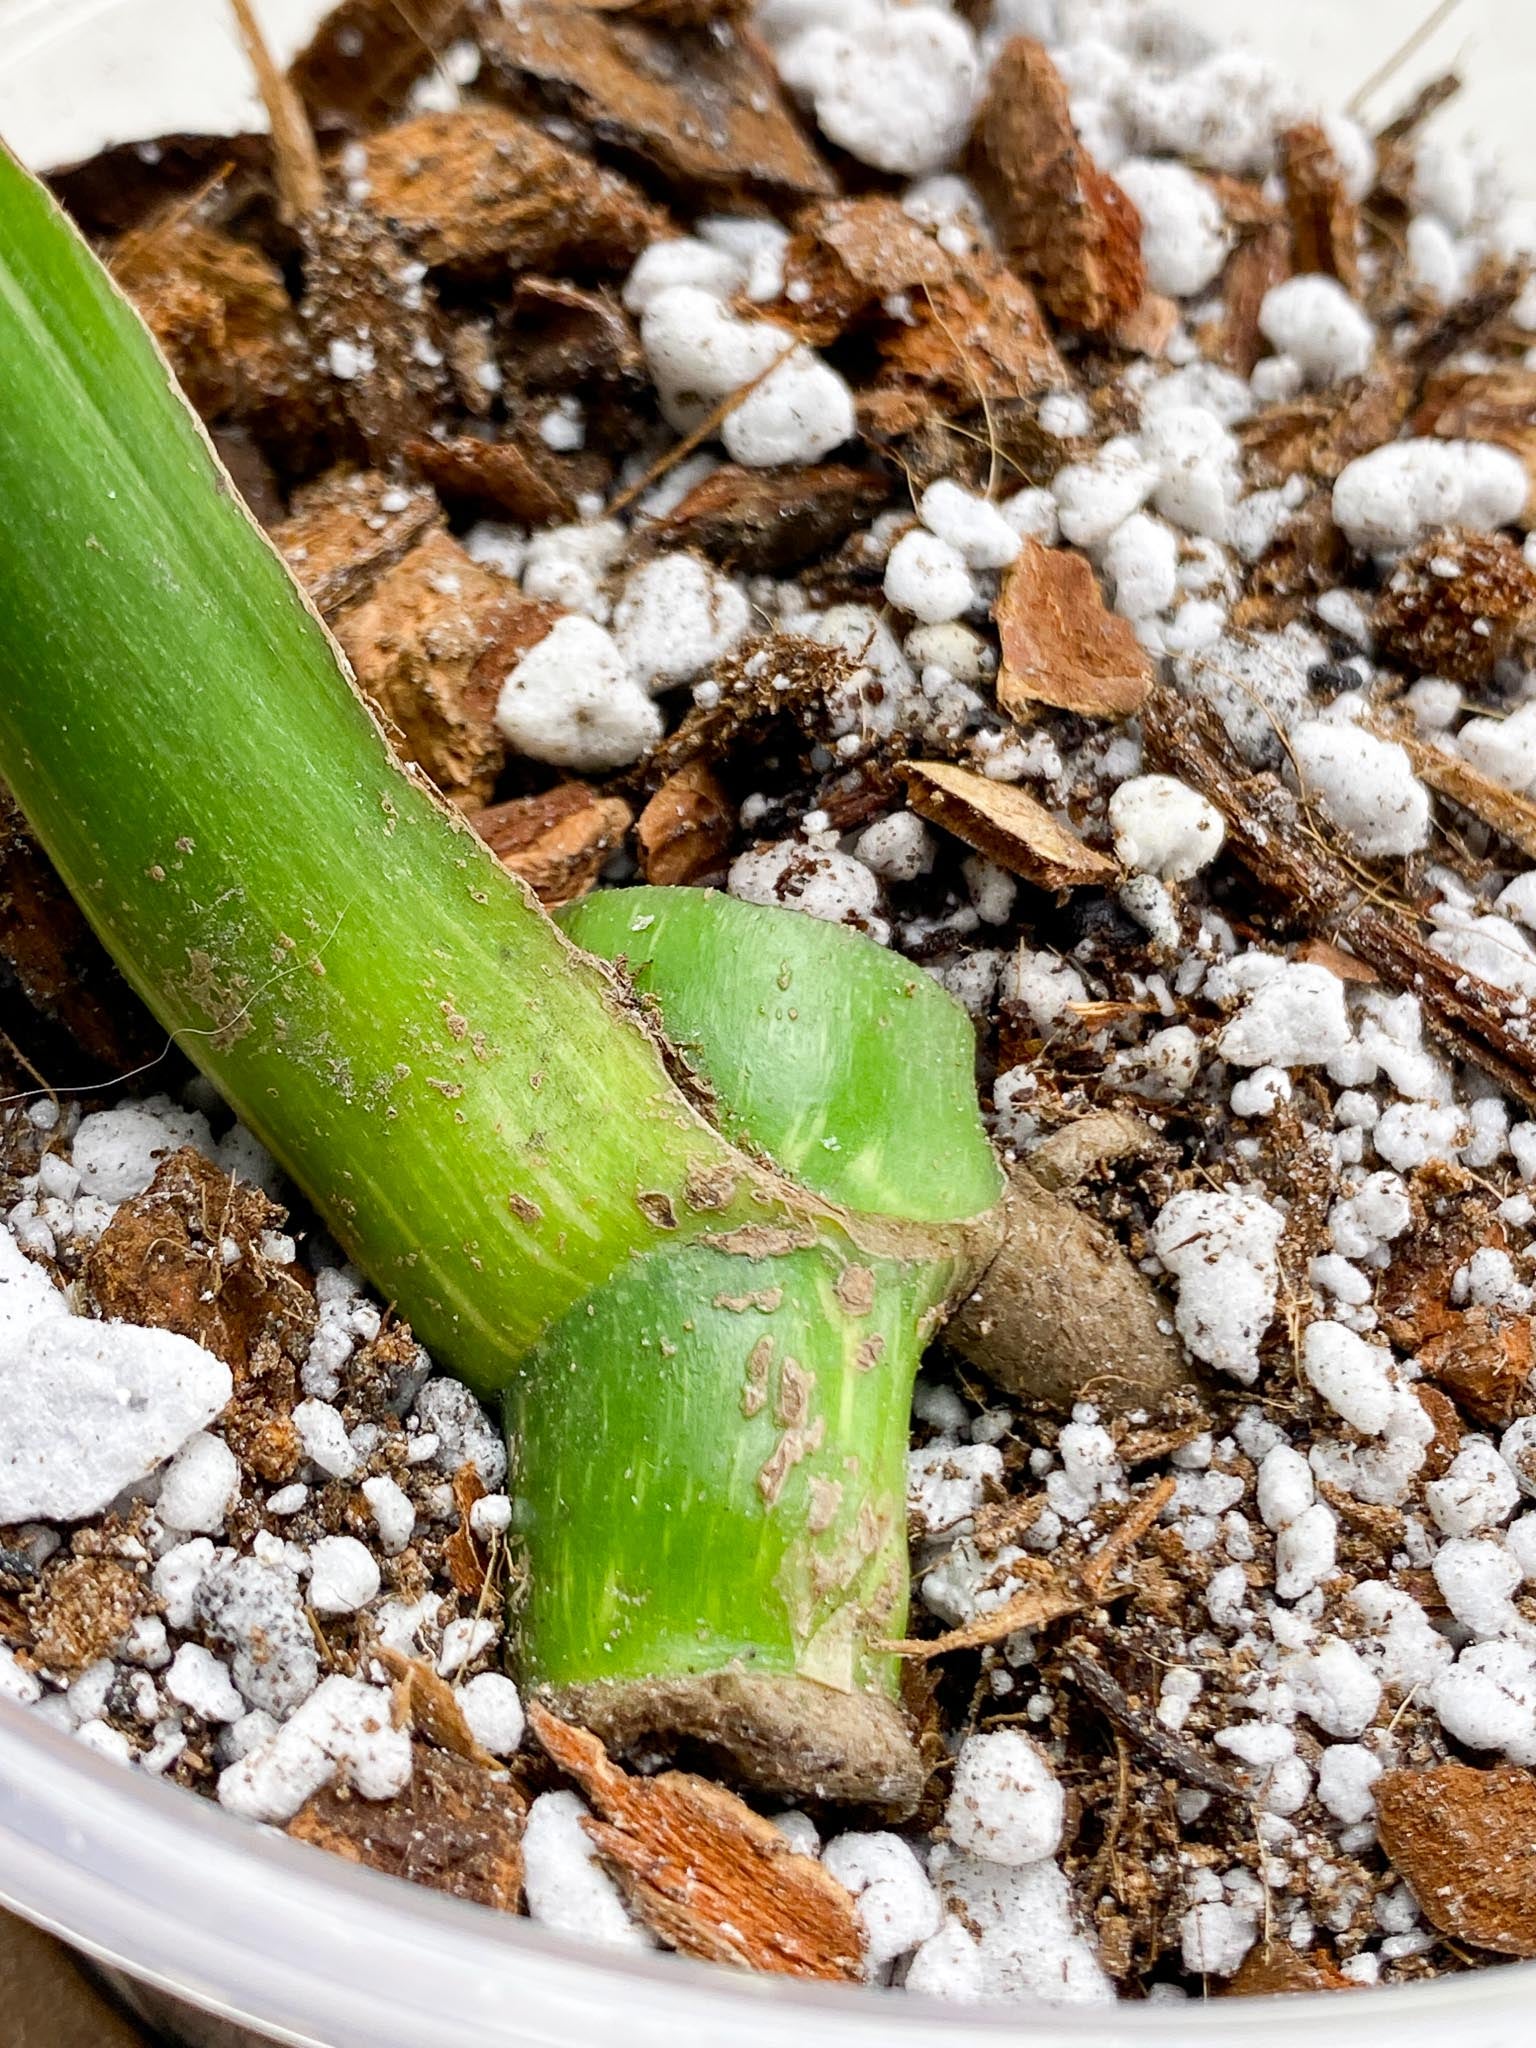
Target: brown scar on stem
[765,1301]
[754,1395]
[855,1290]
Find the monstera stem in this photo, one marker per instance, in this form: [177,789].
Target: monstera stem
[703,1297]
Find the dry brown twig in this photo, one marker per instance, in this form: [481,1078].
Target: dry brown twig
[1073,1588]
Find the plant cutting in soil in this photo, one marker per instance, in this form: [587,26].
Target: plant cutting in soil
[975,561]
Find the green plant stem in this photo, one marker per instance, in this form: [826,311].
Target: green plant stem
[478,1111]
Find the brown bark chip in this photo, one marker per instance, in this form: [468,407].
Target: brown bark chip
[361,62]
[1063,222]
[346,528]
[1466,1842]
[685,830]
[705,1872]
[81,1611]
[482,189]
[1062,644]
[456,1828]
[415,644]
[1483,1360]
[427,1704]
[1005,824]
[517,478]
[847,256]
[1276,1970]
[559,841]
[1325,221]
[704,107]
[770,520]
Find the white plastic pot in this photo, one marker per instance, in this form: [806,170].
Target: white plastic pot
[227,1935]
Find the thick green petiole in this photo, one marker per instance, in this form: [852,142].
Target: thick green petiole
[480,1112]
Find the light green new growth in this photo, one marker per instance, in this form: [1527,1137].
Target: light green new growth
[707,1321]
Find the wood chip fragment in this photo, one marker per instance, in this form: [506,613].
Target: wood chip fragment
[339,538]
[1325,221]
[558,841]
[767,521]
[360,64]
[480,189]
[1064,223]
[1466,1842]
[705,1872]
[427,1704]
[1006,824]
[1482,1359]
[456,1828]
[846,257]
[462,1553]
[1261,260]
[704,106]
[516,477]
[416,644]
[1082,1667]
[685,829]
[1276,1970]
[1061,644]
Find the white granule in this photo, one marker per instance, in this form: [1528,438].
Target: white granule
[957,649]
[564,427]
[1164,828]
[1220,1247]
[896,1905]
[1005,1802]
[684,260]
[323,1434]
[977,531]
[465,1433]
[699,352]
[928,578]
[1316,323]
[1387,500]
[1478,1577]
[1305,1551]
[1436,262]
[27,1295]
[1028,1944]
[105,1740]
[1345,1775]
[1177,1693]
[1045,986]
[177,1577]
[829,885]
[343,1576]
[566,1886]
[899,848]
[1403,1647]
[567,565]
[948,1965]
[1096,496]
[1215,1937]
[463,1642]
[117,1151]
[895,87]
[92,1407]
[1284,1487]
[573,701]
[490,1516]
[1477,1491]
[347,360]
[947,1483]
[1033,512]
[799,1830]
[1261,1092]
[1365,785]
[345,1730]
[1520,1539]
[198,1681]
[1503,748]
[800,412]
[494,1711]
[1141,561]
[1196,458]
[201,1484]
[1517,1447]
[1066,415]
[1295,1017]
[1259,684]
[675,617]
[1488,1700]
[1410,1134]
[16,1684]
[254,1611]
[1356,1379]
[393,1516]
[1334,1687]
[1378,1211]
[756,245]
[1184,235]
